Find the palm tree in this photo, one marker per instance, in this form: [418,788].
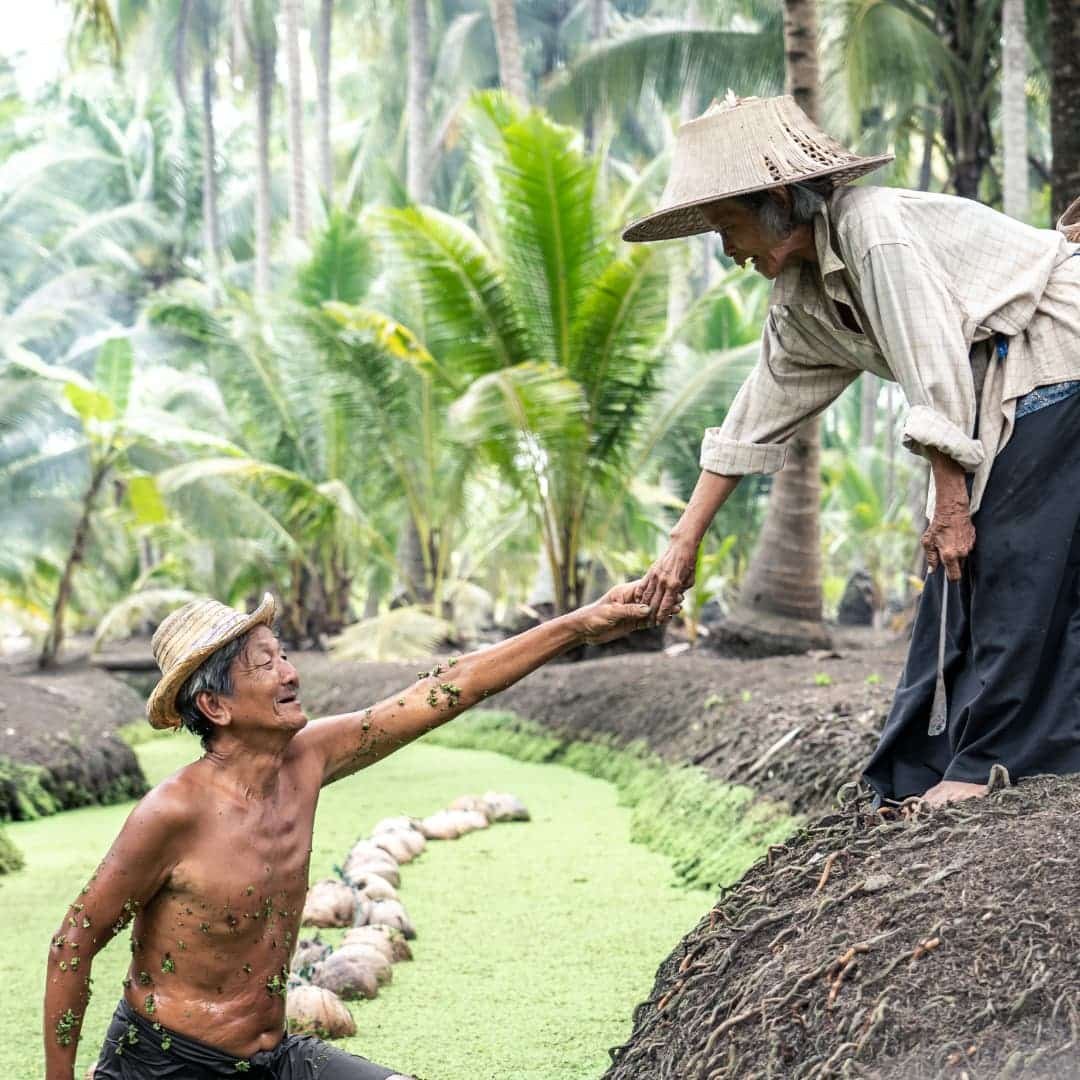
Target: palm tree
[545,333]
[417,180]
[1064,35]
[298,186]
[508,46]
[1014,107]
[780,600]
[323,56]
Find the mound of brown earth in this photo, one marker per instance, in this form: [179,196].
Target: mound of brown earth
[941,946]
[57,747]
[795,728]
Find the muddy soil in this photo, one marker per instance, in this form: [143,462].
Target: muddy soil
[795,728]
[64,723]
[939,947]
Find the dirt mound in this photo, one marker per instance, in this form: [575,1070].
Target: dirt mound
[943,946]
[57,747]
[795,728]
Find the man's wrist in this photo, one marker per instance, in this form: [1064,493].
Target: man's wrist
[686,535]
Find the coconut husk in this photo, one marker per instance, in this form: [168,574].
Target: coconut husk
[441,826]
[395,844]
[314,1010]
[383,937]
[394,824]
[378,961]
[349,973]
[391,913]
[368,937]
[356,870]
[329,903]
[471,820]
[505,807]
[373,887]
[309,951]
[471,802]
[362,911]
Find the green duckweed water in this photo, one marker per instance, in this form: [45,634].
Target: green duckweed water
[535,940]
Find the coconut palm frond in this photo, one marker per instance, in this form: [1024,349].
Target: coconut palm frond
[469,318]
[540,192]
[123,226]
[614,355]
[406,633]
[670,58]
[341,266]
[125,616]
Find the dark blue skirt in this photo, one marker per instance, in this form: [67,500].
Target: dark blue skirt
[1012,654]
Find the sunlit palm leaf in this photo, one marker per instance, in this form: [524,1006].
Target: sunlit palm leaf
[406,633]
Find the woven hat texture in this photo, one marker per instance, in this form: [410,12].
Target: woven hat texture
[739,146]
[187,637]
[1069,222]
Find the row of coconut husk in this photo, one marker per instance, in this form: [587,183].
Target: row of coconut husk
[364,899]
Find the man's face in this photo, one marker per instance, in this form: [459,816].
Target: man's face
[744,237]
[266,687]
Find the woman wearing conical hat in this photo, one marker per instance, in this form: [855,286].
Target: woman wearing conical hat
[977,317]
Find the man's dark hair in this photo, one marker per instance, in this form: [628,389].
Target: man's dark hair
[214,676]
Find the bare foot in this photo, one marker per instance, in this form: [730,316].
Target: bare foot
[949,791]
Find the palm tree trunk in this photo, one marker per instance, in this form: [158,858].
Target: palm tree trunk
[417,179]
[180,60]
[322,64]
[779,607]
[211,234]
[508,47]
[1064,35]
[50,650]
[297,185]
[1014,107]
[264,96]
[597,30]
[868,395]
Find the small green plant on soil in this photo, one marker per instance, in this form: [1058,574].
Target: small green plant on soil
[822,679]
[747,697]
[873,679]
[713,701]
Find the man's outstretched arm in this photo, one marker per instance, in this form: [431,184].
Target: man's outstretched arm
[354,740]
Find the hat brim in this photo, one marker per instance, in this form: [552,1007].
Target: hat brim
[161,705]
[685,219]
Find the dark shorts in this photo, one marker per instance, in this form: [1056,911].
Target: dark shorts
[136,1049]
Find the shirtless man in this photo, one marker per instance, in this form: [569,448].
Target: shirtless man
[211,867]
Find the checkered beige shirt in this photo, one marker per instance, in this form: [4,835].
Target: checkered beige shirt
[927,277]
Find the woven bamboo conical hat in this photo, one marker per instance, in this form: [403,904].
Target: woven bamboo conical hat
[739,146]
[186,638]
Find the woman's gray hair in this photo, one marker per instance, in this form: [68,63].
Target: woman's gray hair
[213,676]
[807,199]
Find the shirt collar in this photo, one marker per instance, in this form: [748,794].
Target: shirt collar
[805,285]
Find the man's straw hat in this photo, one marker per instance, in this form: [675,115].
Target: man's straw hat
[185,638]
[1069,222]
[739,146]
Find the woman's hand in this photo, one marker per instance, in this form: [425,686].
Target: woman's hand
[668,578]
[951,535]
[949,540]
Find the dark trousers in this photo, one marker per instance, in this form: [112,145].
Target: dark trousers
[136,1049]
[1012,655]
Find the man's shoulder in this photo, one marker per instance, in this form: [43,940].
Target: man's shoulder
[175,802]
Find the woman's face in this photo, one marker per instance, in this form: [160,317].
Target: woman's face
[745,238]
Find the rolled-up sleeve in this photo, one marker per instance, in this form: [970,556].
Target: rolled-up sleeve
[919,328]
[790,383]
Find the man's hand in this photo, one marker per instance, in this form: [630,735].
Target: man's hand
[668,578]
[615,614]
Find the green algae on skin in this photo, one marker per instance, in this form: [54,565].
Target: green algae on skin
[64,1027]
